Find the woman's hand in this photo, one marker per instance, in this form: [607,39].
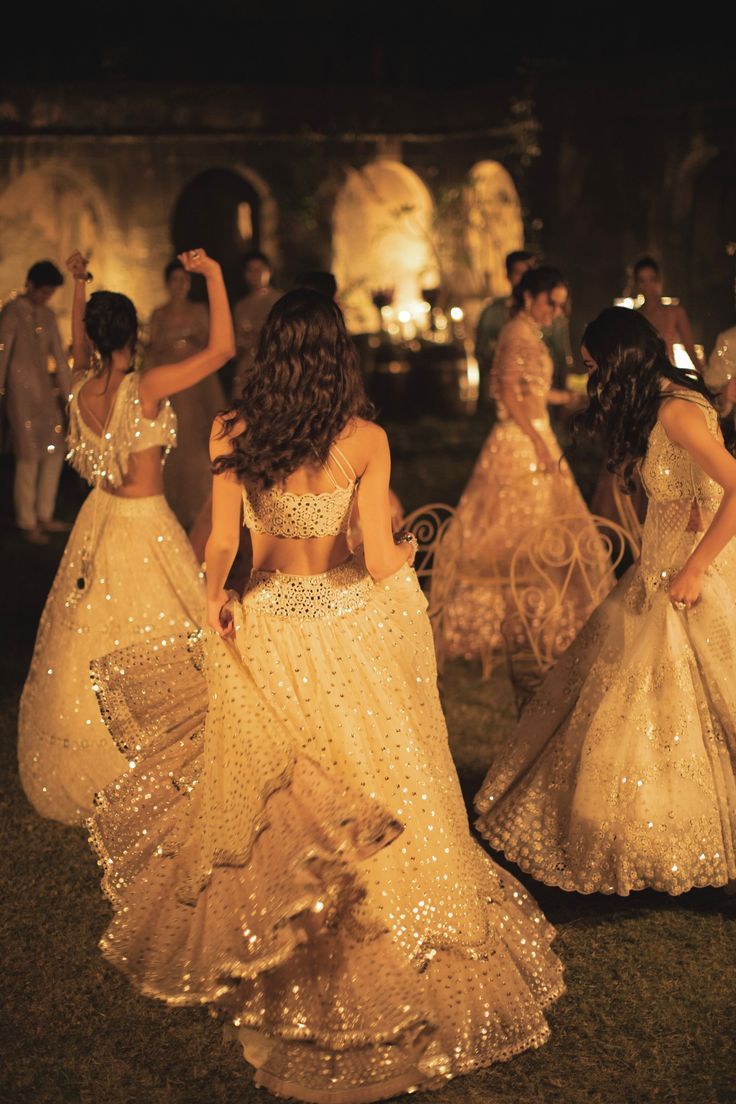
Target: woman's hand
[545,460]
[77,265]
[685,588]
[219,617]
[196,260]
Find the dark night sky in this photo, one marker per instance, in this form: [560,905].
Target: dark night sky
[396,44]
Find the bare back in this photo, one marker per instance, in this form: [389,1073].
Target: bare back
[317,500]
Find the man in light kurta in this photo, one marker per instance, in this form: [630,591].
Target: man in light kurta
[34,399]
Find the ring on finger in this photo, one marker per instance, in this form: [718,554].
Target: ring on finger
[681,605]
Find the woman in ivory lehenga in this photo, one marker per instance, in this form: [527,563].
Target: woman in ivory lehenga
[519,481]
[620,775]
[128,572]
[290,845]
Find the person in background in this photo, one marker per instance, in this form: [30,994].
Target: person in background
[250,312]
[492,320]
[29,341]
[520,482]
[178,330]
[670,320]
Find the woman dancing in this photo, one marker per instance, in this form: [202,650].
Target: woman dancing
[620,775]
[291,846]
[519,481]
[128,572]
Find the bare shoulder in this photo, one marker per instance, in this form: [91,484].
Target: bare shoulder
[680,416]
[366,436]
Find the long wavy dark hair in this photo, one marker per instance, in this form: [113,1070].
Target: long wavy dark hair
[625,389]
[303,389]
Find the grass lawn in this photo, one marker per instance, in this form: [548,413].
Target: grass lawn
[651,1006]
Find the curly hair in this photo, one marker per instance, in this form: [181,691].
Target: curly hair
[111,322]
[303,388]
[625,389]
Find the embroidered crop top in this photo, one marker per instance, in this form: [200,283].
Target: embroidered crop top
[103,458]
[285,514]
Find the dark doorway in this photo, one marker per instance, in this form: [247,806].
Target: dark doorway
[221,211]
[713,226]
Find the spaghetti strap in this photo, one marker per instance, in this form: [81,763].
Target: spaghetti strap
[342,463]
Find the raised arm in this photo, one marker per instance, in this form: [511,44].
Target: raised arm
[382,556]
[168,379]
[686,426]
[81,348]
[224,539]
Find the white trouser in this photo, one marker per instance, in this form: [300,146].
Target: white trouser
[34,489]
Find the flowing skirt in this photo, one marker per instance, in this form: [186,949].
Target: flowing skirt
[506,497]
[290,846]
[142,583]
[620,774]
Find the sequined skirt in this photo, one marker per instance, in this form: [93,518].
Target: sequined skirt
[621,774]
[506,497]
[291,847]
[128,574]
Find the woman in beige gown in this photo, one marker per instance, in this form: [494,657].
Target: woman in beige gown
[177,331]
[128,572]
[620,775]
[520,480]
[290,846]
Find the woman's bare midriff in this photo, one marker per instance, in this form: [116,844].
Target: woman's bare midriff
[144,477]
[297,556]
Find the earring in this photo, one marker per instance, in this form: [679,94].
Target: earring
[96,362]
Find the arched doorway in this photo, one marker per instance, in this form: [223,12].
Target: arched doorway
[228,214]
[47,212]
[383,237]
[493,226]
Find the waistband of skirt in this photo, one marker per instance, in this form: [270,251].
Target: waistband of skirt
[129,507]
[334,593]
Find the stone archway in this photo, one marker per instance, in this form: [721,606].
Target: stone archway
[45,213]
[383,237]
[493,226]
[228,212]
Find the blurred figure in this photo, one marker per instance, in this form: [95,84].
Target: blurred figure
[250,312]
[520,480]
[29,341]
[178,330]
[323,282]
[669,319]
[492,320]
